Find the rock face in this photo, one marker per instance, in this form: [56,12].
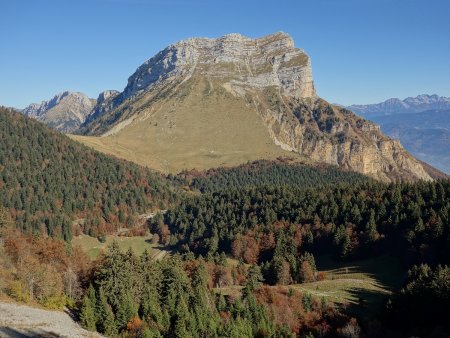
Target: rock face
[105,101]
[269,81]
[257,63]
[334,135]
[240,61]
[65,112]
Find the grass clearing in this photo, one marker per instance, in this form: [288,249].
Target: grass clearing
[93,247]
[362,285]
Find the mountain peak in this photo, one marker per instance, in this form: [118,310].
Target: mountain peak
[205,102]
[65,111]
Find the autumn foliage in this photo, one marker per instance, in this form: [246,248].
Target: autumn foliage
[42,270]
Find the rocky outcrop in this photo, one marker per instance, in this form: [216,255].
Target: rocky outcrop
[105,102]
[268,76]
[334,135]
[18,320]
[65,112]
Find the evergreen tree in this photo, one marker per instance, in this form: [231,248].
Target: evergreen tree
[112,275]
[254,279]
[88,313]
[105,321]
[126,310]
[371,227]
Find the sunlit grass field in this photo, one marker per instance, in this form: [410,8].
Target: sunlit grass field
[93,247]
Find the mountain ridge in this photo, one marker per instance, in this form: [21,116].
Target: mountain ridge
[420,103]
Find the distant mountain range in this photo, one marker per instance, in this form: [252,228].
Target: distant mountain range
[409,105]
[422,124]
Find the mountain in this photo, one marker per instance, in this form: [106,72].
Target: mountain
[409,105]
[65,112]
[47,181]
[218,102]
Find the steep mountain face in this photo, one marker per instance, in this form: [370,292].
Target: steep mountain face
[409,105]
[65,112]
[104,102]
[211,102]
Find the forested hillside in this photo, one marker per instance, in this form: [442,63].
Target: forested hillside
[281,172]
[348,220]
[48,180]
[283,229]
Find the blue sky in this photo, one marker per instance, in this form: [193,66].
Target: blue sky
[363,51]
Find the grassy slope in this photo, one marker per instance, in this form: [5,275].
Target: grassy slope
[92,246]
[200,128]
[362,285]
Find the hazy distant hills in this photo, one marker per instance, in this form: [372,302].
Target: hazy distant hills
[422,124]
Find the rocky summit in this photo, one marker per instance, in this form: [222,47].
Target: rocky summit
[65,112]
[212,102]
[243,62]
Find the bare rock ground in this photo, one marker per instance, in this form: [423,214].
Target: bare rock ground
[20,321]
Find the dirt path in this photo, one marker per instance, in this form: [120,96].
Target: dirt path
[20,321]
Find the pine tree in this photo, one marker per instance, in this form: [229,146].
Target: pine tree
[372,227]
[112,275]
[254,279]
[182,317]
[151,308]
[89,309]
[126,310]
[105,321]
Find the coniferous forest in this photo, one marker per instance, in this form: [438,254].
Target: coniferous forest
[242,242]
[47,181]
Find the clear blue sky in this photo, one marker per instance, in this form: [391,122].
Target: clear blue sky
[362,51]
